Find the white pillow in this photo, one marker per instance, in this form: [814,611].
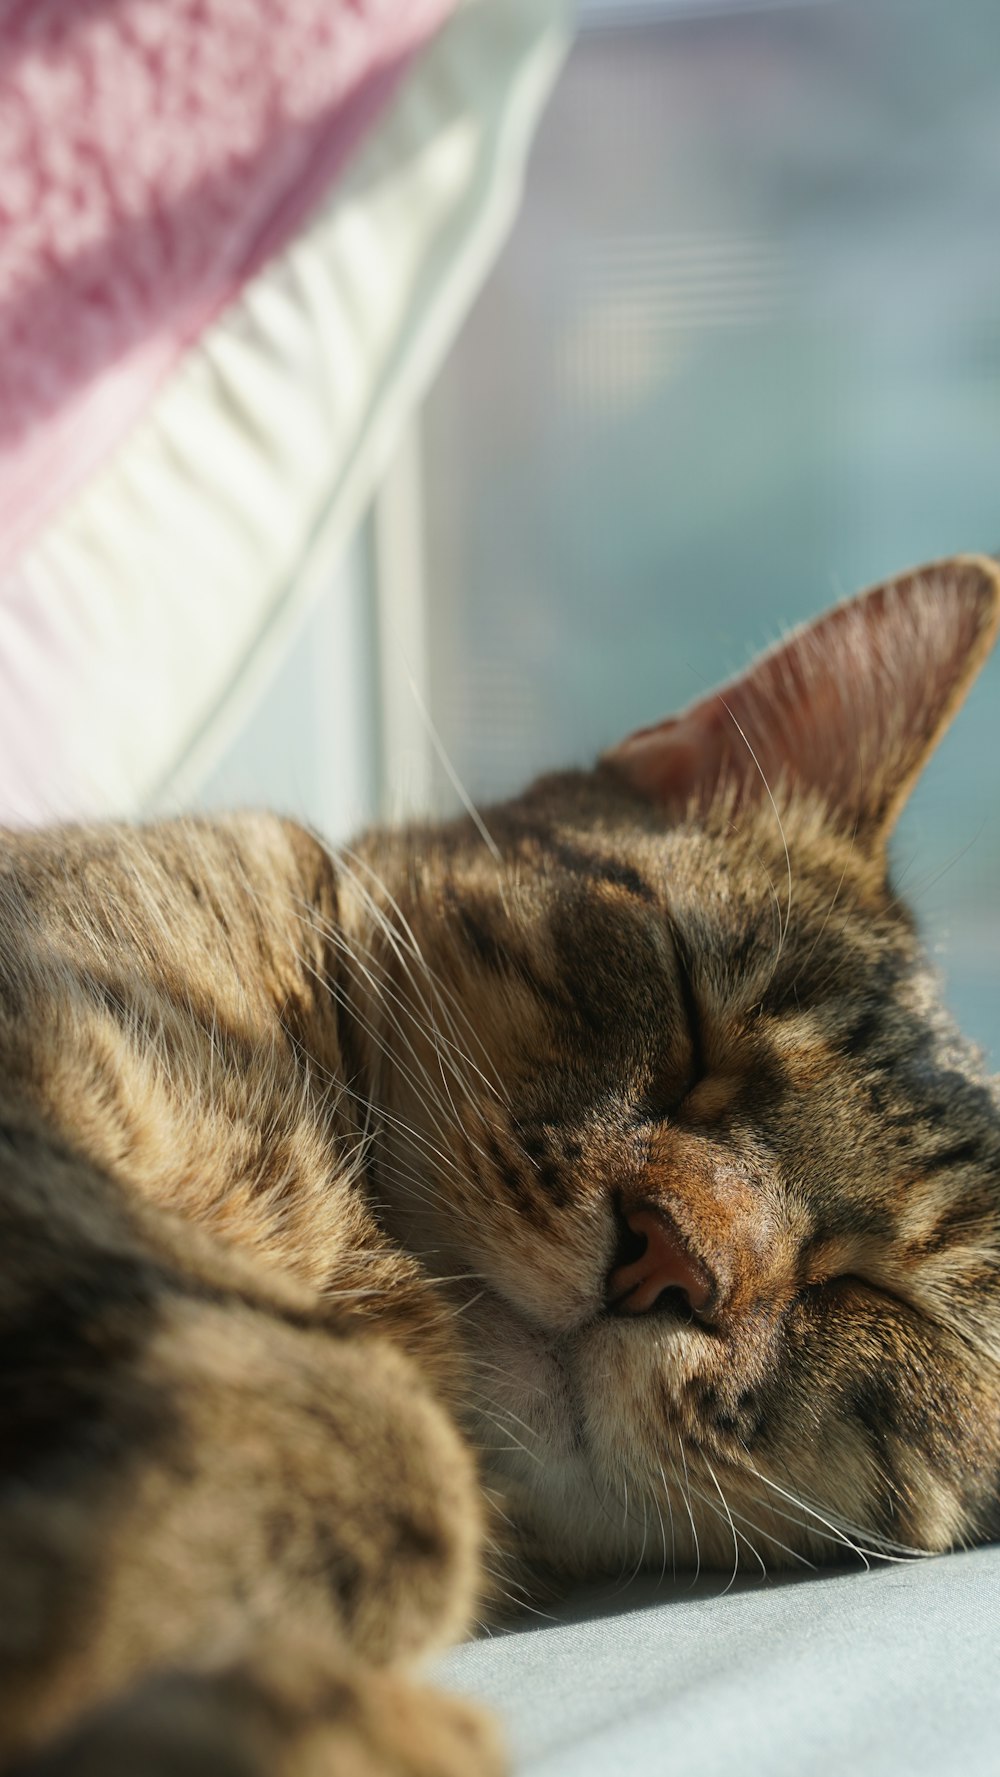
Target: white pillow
[138,628]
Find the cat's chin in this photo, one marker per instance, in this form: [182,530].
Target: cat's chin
[551,1440]
[523,1386]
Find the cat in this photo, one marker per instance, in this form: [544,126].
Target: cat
[594,1184]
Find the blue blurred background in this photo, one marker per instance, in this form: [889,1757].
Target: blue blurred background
[740,357]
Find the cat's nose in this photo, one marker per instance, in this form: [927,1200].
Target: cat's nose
[652,1259]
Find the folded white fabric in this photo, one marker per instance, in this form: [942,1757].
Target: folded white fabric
[136,630]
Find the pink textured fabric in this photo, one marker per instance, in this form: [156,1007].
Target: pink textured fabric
[152,154]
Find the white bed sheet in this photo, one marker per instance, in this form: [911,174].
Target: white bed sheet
[892,1673]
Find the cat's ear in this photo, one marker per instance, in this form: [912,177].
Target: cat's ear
[849,705]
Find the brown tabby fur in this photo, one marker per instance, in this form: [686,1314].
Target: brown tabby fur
[315,1176]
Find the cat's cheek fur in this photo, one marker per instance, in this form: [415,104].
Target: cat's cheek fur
[266,1112]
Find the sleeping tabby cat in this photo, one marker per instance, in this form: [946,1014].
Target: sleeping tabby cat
[381,1228]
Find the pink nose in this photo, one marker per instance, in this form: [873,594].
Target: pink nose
[665,1264]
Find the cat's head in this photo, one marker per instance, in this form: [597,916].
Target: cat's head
[674,1094]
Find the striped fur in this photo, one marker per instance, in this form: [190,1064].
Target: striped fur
[314,1172]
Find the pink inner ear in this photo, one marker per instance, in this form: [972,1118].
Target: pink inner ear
[849,706]
[669,762]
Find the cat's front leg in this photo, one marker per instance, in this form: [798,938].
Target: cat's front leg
[202,1473]
[288,1710]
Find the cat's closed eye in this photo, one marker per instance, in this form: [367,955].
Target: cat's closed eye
[642,1135]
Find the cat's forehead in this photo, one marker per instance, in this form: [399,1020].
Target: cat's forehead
[797,978]
[744,893]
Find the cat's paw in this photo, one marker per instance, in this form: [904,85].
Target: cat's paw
[277,1724]
[403,1730]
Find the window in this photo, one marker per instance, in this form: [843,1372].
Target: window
[741,356]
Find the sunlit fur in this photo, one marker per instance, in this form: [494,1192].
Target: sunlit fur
[823,1137]
[312,1175]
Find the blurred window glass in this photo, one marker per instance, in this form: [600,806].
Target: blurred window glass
[741,357]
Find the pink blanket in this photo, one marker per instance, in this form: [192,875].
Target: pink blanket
[152,154]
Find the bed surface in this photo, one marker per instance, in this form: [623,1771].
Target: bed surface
[873,1674]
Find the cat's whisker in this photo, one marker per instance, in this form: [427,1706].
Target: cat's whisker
[417,1179]
[833,1530]
[670,1511]
[782,930]
[663,1535]
[463,1307]
[769,1536]
[621,1525]
[921,886]
[515,1443]
[416,1173]
[501,1449]
[494,1086]
[437,986]
[820,980]
[732,1517]
[457,785]
[401,1067]
[349,949]
[508,1413]
[408,1131]
[449,1120]
[601,1498]
[729,1516]
[814,946]
[457,1277]
[476,1362]
[737,1537]
[839,1532]
[350,952]
[627,1579]
[413,1138]
[686,1496]
[778,918]
[375,1037]
[645,1537]
[336,1294]
[494,1501]
[834,1536]
[383,991]
[518,1597]
[882,1547]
